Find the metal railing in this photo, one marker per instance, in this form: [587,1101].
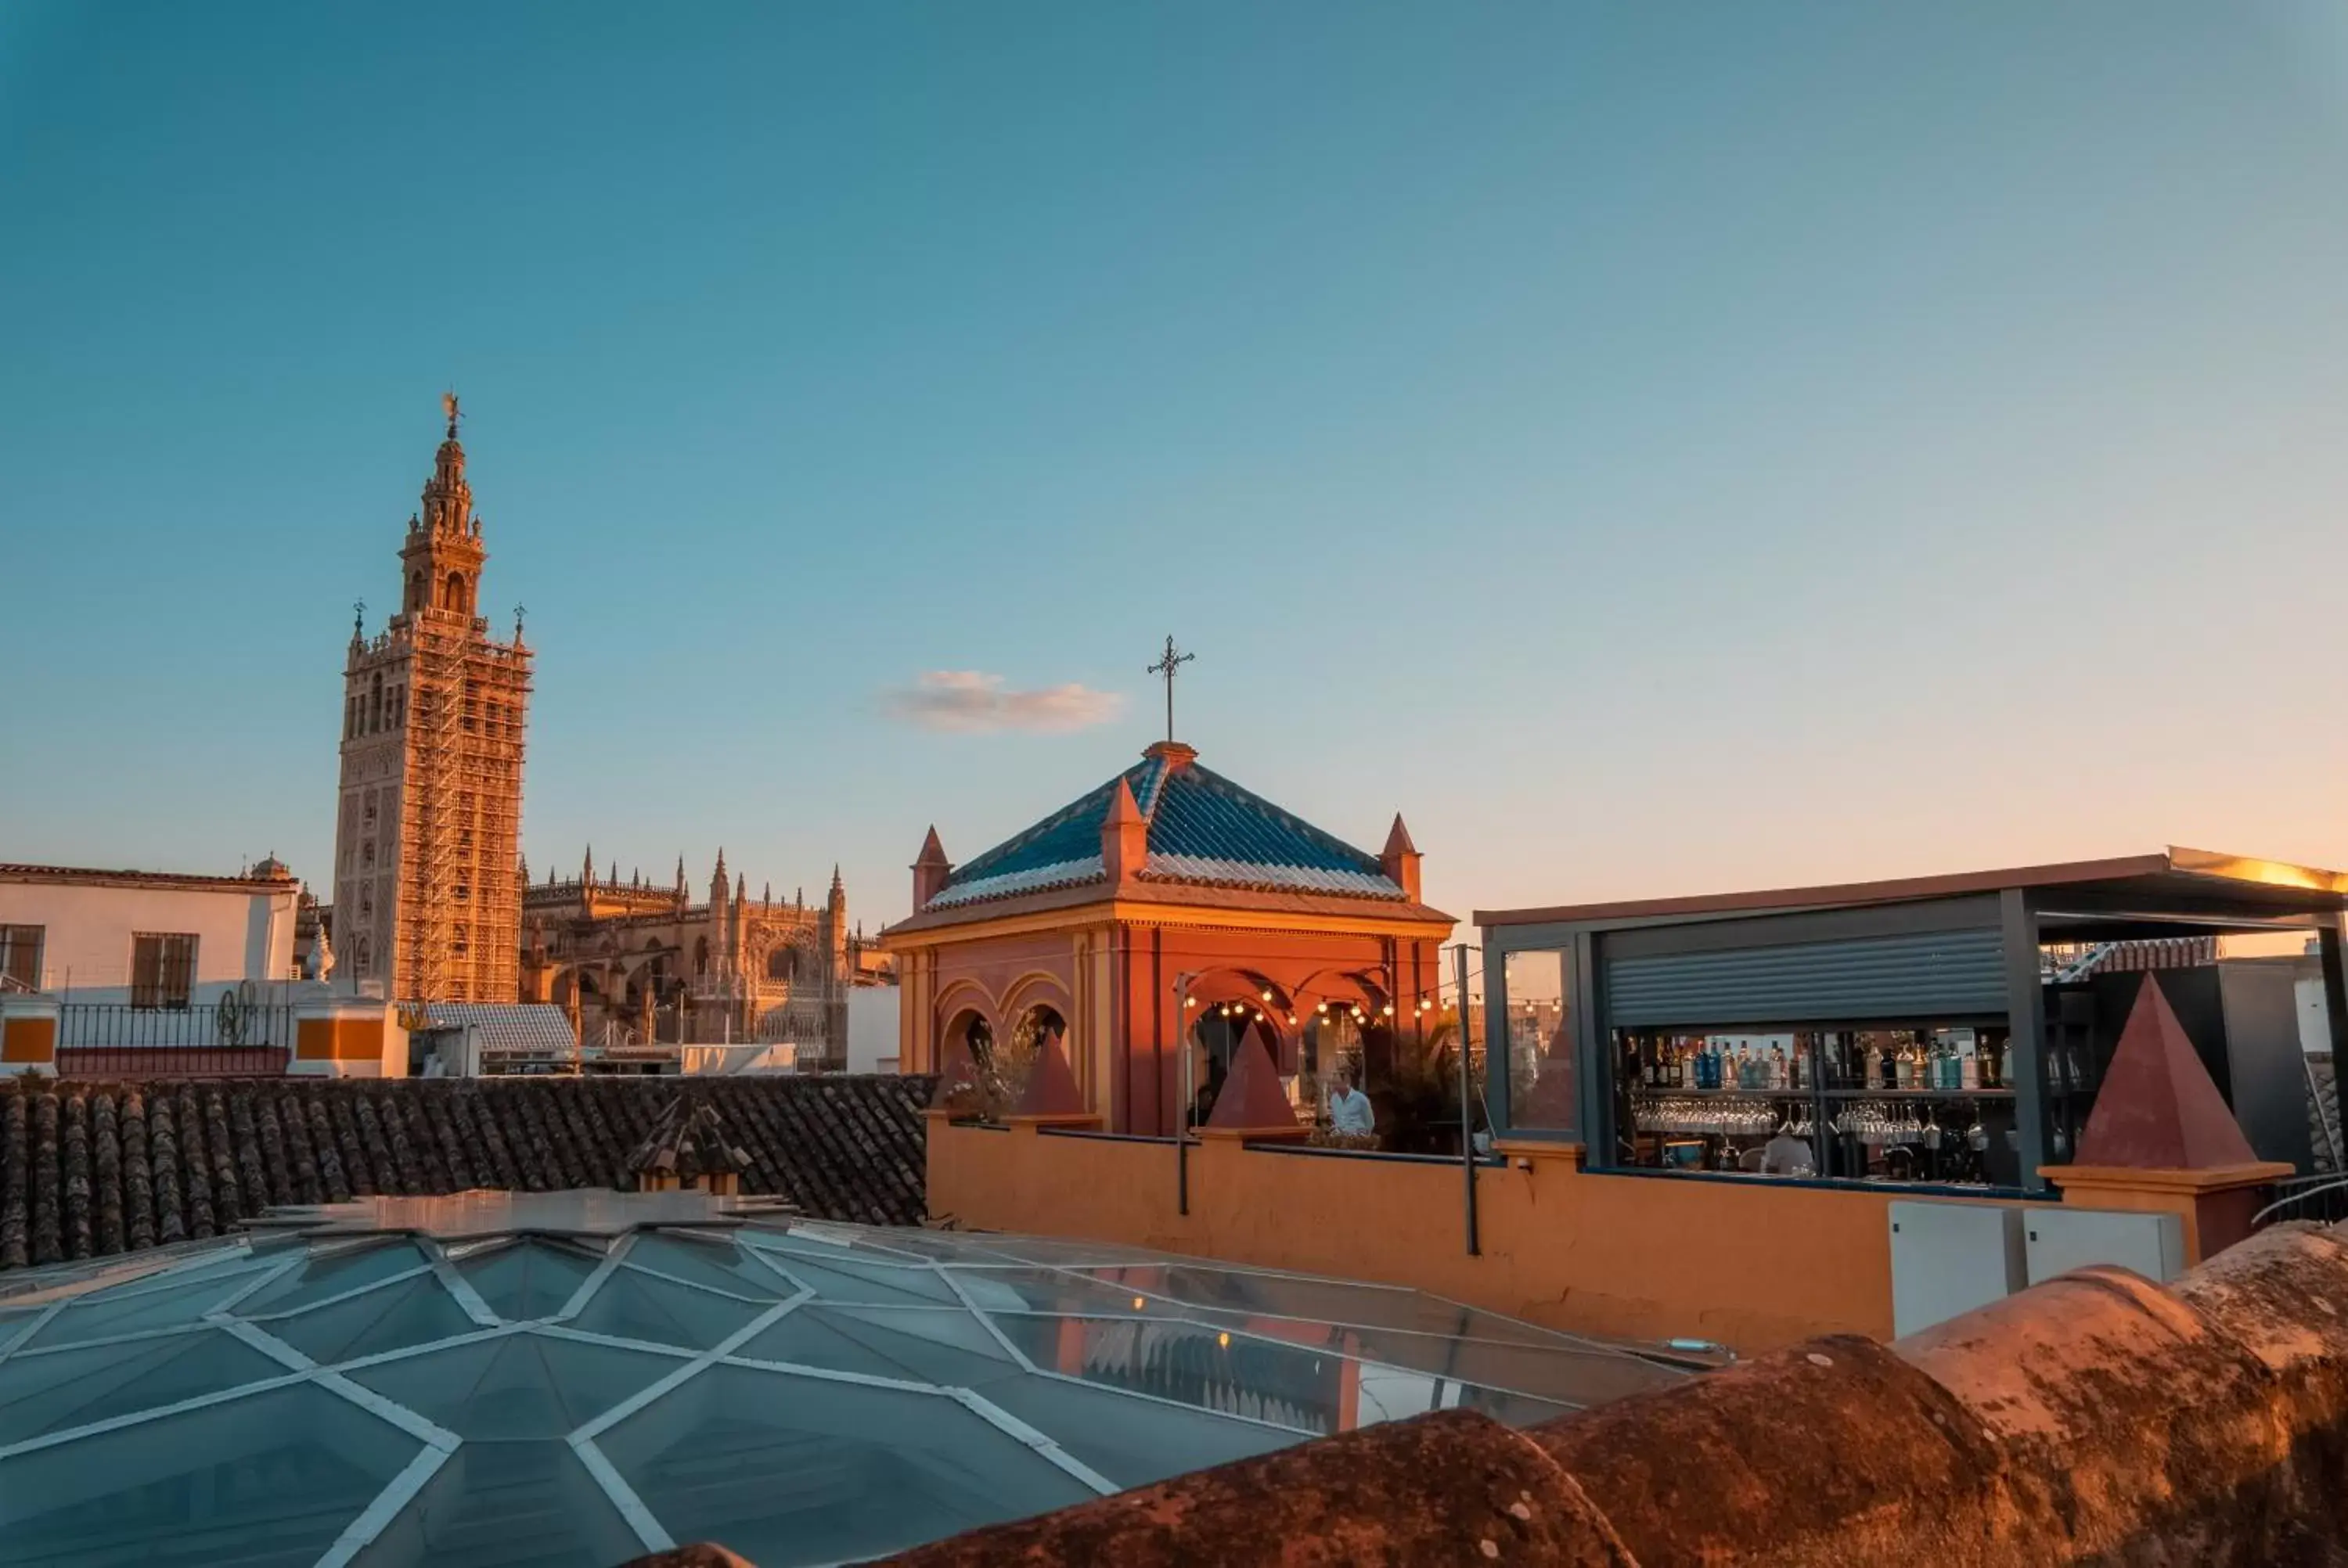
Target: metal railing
[2322,1198]
[233,1022]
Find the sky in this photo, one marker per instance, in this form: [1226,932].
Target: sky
[1656,449]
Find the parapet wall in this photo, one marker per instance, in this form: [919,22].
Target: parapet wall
[2095,1419]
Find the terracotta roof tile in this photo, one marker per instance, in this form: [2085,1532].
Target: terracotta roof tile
[92,1169]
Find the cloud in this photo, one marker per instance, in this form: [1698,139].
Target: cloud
[972,701]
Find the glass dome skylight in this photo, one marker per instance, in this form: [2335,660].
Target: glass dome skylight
[578,1377]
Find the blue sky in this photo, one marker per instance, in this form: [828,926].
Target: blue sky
[1657,449]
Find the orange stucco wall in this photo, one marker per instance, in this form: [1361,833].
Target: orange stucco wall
[1752,1267]
[1117,981]
[29,1039]
[338,1039]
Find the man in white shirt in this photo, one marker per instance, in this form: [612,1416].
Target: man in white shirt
[1349,1108]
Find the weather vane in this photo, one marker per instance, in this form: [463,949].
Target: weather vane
[358,616]
[519,611]
[449,407]
[1168,667]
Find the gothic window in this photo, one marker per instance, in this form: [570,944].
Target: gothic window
[701,955]
[362,955]
[375,705]
[370,809]
[783,964]
[367,853]
[452,592]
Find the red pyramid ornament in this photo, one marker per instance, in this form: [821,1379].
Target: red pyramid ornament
[2158,1109]
[1252,1098]
[1050,1084]
[957,1087]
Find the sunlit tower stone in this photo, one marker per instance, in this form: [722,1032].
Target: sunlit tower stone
[427,894]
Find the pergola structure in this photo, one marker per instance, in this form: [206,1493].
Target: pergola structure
[1167,910]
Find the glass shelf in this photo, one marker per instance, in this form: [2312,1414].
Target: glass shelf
[1919,1093]
[1658,1091]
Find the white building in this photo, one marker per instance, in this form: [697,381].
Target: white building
[145,940]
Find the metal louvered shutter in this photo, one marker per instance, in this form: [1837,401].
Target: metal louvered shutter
[1909,974]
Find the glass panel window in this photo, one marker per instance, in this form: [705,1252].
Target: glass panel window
[162,968]
[20,957]
[1928,1102]
[40,1394]
[528,1280]
[390,1318]
[872,1469]
[507,1502]
[1096,1426]
[631,1304]
[914,1344]
[1543,1090]
[518,1387]
[274,1476]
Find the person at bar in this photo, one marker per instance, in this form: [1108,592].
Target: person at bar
[1787,1155]
[1349,1108]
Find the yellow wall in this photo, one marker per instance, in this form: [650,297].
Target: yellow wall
[29,1039]
[1650,1257]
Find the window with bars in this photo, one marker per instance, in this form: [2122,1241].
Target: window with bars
[162,968]
[20,957]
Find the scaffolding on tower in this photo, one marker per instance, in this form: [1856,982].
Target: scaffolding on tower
[463,907]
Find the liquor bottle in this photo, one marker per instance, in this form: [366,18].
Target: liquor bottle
[1776,1067]
[1969,1070]
[1992,1066]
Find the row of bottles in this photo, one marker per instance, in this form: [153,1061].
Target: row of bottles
[1698,1063]
[1959,1061]
[1939,1060]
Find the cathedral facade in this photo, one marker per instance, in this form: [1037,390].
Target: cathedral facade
[427,899]
[635,963]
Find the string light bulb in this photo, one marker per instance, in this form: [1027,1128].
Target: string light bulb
[1267,996]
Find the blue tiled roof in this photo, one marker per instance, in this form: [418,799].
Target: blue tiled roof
[1202,828]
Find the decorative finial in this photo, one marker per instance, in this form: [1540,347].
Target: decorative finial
[358,617]
[449,407]
[520,610]
[1168,667]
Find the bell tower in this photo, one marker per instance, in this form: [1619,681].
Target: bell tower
[440,564]
[427,904]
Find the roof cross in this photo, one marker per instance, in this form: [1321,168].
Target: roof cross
[1168,668]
